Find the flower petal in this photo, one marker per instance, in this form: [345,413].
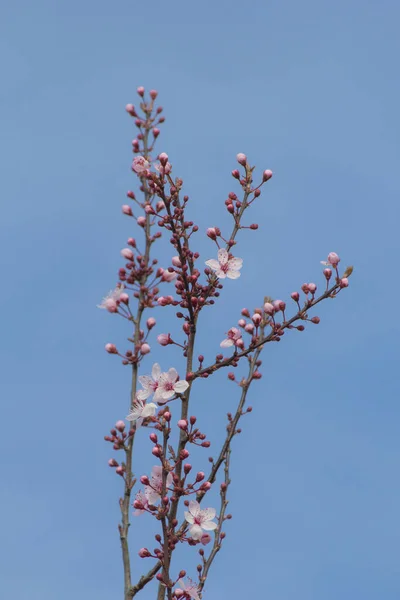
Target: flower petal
[172,375]
[233,274]
[181,386]
[194,508]
[208,514]
[189,518]
[156,372]
[209,526]
[222,256]
[226,343]
[213,264]
[146,381]
[143,394]
[149,410]
[235,264]
[196,532]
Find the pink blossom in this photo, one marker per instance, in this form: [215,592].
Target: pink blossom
[127,253]
[126,209]
[267,174]
[234,335]
[111,349]
[145,348]
[120,425]
[176,261]
[140,91]
[111,301]
[141,221]
[141,499]
[190,589]
[154,489]
[241,158]
[164,386]
[200,520]
[164,339]
[140,411]
[150,322]
[332,261]
[168,276]
[140,164]
[225,266]
[163,169]
[205,539]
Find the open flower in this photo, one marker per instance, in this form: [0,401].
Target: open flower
[110,302]
[199,520]
[140,164]
[190,589]
[153,491]
[332,261]
[140,411]
[163,385]
[140,498]
[234,335]
[225,266]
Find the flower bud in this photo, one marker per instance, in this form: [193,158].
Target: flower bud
[205,539]
[295,296]
[242,159]
[183,424]
[131,110]
[127,253]
[212,234]
[120,426]
[315,320]
[164,339]
[200,476]
[163,158]
[153,94]
[144,348]
[267,175]
[176,261]
[344,282]
[328,274]
[112,463]
[187,468]
[256,318]
[120,471]
[140,91]
[141,221]
[269,308]
[111,349]
[126,209]
[312,287]
[150,322]
[144,553]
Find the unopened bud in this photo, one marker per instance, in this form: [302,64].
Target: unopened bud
[267,175]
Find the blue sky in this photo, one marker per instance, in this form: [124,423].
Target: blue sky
[309,90]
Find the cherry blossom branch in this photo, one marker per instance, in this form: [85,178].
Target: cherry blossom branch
[219,535]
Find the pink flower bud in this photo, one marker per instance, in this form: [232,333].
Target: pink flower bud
[269,308]
[120,471]
[164,339]
[153,94]
[112,463]
[277,305]
[124,298]
[140,91]
[187,468]
[205,539]
[176,261]
[184,454]
[206,485]
[163,158]
[156,132]
[183,424]
[131,110]
[153,438]
[235,174]
[256,318]
[144,348]
[179,593]
[168,276]
[242,159]
[110,305]
[126,209]
[150,322]
[127,253]
[267,175]
[111,349]
[131,195]
[144,480]
[200,476]
[333,259]
[141,221]
[242,323]
[156,451]
[249,328]
[344,282]
[144,553]
[257,375]
[120,426]
[315,320]
[212,234]
[160,205]
[328,274]
[245,312]
[295,296]
[312,287]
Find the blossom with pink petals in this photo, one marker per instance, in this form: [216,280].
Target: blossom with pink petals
[164,386]
[140,164]
[200,520]
[153,491]
[225,266]
[140,411]
[332,261]
[190,589]
[111,301]
[140,498]
[234,335]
